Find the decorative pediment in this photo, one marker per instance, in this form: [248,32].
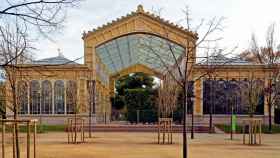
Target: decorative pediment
[139,21]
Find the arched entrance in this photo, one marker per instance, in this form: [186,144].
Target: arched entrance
[139,42]
[131,53]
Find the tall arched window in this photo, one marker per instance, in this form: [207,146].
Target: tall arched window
[59,97]
[22,95]
[91,95]
[35,97]
[97,99]
[71,97]
[46,101]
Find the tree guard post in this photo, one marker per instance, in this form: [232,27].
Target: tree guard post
[34,139]
[13,124]
[14,139]
[68,134]
[254,129]
[165,130]
[28,139]
[75,130]
[3,139]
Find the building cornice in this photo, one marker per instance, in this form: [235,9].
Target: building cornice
[141,12]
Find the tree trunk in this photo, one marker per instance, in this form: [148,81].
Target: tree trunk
[75,126]
[185,149]
[231,122]
[269,118]
[89,122]
[16,125]
[269,108]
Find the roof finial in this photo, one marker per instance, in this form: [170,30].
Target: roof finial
[60,53]
[140,8]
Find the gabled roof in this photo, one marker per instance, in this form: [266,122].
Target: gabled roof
[151,51]
[220,59]
[58,60]
[140,11]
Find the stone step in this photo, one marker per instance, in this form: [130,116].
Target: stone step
[143,128]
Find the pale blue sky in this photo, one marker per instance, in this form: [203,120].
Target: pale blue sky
[243,17]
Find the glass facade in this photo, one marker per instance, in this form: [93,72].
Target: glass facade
[71,97]
[224,97]
[46,99]
[22,97]
[149,50]
[59,97]
[35,107]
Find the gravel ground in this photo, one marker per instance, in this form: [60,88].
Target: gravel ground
[144,145]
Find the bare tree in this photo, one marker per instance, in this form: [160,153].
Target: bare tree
[71,94]
[251,92]
[92,101]
[269,56]
[13,47]
[36,17]
[215,58]
[180,68]
[18,21]
[2,100]
[167,97]
[44,15]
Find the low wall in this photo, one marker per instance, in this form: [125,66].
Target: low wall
[202,120]
[54,119]
[225,119]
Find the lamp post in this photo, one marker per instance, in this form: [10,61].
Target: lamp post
[192,104]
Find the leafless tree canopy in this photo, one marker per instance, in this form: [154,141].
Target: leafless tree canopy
[167,97]
[251,92]
[14,45]
[19,21]
[182,68]
[45,15]
[268,54]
